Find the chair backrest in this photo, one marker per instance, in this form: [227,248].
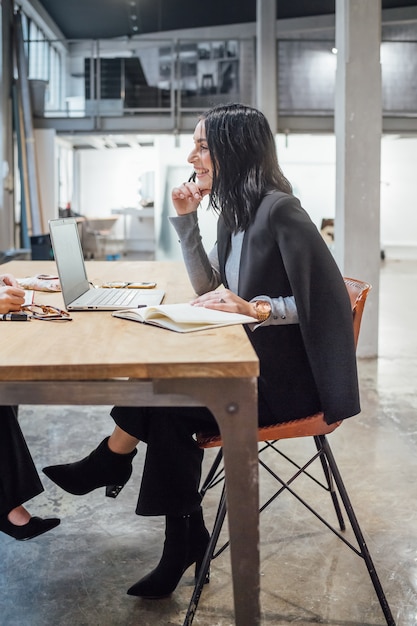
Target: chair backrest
[358,292]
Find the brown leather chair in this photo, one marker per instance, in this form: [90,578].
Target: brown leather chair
[311,426]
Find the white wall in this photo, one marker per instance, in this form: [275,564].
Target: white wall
[109,178]
[308,161]
[399,197]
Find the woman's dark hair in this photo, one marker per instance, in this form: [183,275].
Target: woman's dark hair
[245,164]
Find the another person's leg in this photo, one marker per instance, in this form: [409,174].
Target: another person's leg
[19,481]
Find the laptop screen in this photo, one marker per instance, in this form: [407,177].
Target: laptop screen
[69,258]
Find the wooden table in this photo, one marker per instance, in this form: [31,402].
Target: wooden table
[99,359]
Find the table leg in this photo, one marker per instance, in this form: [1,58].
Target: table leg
[233,402]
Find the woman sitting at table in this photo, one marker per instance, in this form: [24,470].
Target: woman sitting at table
[270,262]
[19,480]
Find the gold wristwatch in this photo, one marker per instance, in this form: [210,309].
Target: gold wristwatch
[262,310]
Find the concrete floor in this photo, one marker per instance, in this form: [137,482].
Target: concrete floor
[78,574]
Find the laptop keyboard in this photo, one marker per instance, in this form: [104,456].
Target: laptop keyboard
[108,297]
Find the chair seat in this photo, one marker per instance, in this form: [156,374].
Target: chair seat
[305,427]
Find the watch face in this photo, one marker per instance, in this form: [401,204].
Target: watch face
[263,310]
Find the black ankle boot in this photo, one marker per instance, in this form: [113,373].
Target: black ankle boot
[101,468]
[186,540]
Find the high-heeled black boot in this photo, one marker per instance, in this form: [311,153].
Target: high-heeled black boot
[101,468]
[186,540]
[36,526]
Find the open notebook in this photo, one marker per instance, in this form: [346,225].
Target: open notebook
[184,318]
[77,292]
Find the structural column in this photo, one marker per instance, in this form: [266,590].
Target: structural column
[266,60]
[6,130]
[358,128]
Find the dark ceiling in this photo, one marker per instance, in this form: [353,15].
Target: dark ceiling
[102,19]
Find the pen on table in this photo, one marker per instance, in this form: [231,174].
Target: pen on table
[14,317]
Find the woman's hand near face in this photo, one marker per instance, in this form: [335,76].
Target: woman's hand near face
[225,300]
[187,197]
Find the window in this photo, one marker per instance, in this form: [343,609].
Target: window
[44,61]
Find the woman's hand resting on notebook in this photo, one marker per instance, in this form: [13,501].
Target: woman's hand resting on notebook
[225,300]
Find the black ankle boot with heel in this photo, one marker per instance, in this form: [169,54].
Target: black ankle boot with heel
[186,540]
[101,468]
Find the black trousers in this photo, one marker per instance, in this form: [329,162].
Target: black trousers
[172,470]
[19,480]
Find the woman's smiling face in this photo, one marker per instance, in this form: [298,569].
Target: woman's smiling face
[200,158]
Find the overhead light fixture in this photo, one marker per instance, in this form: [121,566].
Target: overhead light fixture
[334,50]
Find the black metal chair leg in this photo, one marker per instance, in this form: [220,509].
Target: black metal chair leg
[357,531]
[330,485]
[205,566]
[210,481]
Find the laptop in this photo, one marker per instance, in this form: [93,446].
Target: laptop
[78,293]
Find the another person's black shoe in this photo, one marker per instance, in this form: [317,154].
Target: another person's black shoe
[186,540]
[101,468]
[36,526]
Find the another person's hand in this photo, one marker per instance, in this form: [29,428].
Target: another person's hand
[187,197]
[225,300]
[12,297]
